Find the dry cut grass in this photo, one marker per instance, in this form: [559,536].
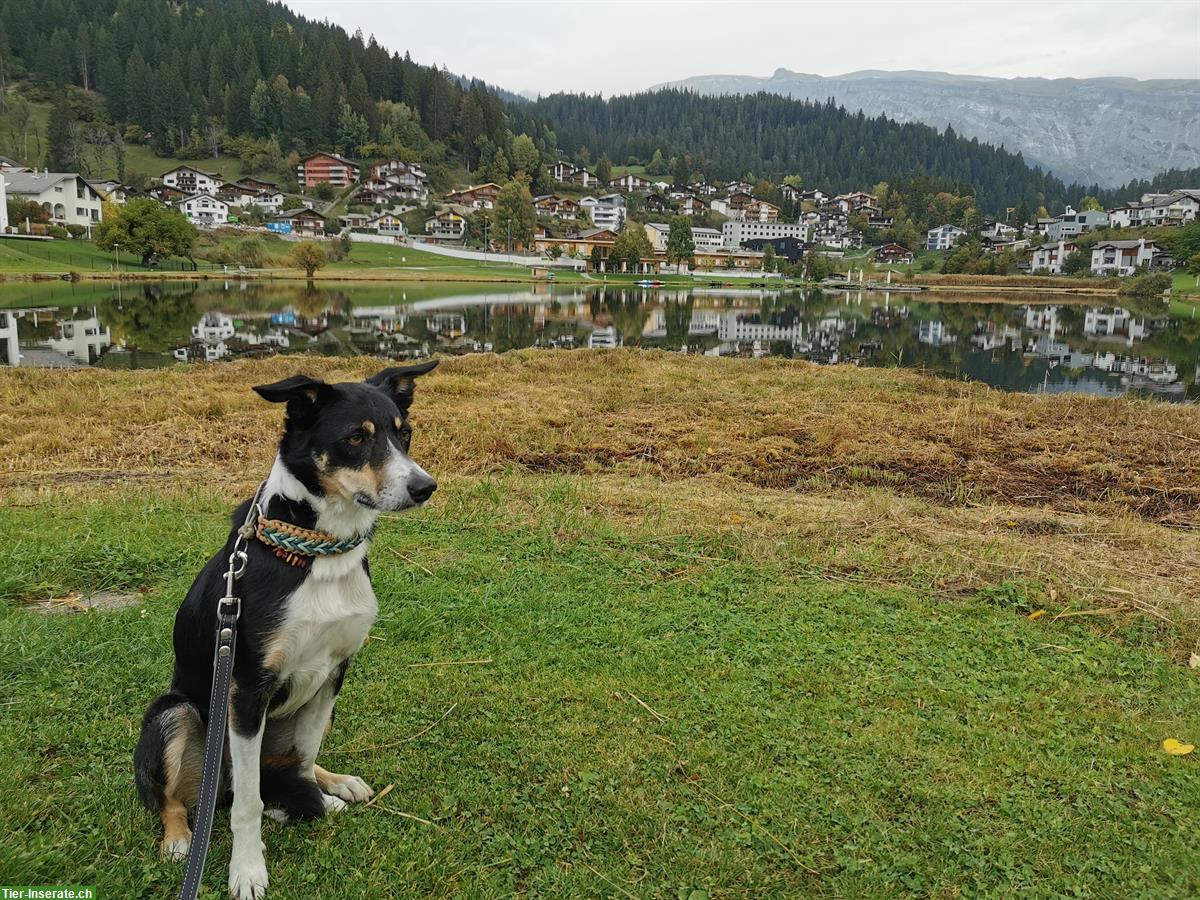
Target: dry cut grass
[876,474]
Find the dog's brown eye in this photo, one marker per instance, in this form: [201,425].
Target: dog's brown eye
[354,440]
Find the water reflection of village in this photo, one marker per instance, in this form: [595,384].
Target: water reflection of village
[1036,347]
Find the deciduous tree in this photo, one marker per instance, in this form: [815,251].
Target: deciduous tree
[309,256]
[515,218]
[146,228]
[681,244]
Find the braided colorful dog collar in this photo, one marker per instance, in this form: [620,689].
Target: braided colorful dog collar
[293,544]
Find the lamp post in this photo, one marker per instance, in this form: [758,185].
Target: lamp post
[117,247]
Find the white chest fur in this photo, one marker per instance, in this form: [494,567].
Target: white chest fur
[326,622]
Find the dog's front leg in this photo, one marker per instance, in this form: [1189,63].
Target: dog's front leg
[247,865]
[312,723]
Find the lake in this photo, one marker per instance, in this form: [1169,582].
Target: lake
[1030,344]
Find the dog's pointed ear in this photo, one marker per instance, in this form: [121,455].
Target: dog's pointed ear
[399,381]
[298,387]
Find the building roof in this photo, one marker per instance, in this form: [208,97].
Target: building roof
[34,182]
[473,188]
[1123,245]
[590,233]
[298,211]
[190,169]
[199,194]
[343,159]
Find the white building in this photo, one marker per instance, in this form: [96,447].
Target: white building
[934,333]
[83,340]
[739,327]
[10,341]
[237,194]
[997,231]
[67,197]
[630,183]
[735,233]
[204,210]
[213,327]
[1176,208]
[944,237]
[1122,257]
[606,212]
[447,225]
[192,181]
[708,239]
[1113,322]
[1050,257]
[389,224]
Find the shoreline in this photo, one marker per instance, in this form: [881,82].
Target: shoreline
[979,285]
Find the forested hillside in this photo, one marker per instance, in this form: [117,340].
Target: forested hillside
[211,79]
[193,76]
[772,136]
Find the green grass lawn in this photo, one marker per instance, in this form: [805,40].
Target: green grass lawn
[140,158]
[63,256]
[55,256]
[1184,283]
[659,714]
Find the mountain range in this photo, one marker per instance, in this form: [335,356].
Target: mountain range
[1103,131]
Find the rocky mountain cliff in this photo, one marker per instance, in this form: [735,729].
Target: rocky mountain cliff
[1103,131]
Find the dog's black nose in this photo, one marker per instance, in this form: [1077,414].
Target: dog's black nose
[421,489]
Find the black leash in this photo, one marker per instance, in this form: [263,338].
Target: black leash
[229,610]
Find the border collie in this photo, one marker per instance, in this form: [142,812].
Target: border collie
[343,459]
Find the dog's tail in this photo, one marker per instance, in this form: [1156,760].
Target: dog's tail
[169,753]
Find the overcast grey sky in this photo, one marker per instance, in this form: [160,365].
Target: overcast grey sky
[615,46]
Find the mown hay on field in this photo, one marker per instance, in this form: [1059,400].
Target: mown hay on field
[768,423]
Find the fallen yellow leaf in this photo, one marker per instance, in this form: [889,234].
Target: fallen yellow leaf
[736,519]
[1194,661]
[1036,614]
[1177,748]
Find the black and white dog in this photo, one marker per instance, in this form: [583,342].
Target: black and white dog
[343,458]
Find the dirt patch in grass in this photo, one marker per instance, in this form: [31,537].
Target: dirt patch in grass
[79,602]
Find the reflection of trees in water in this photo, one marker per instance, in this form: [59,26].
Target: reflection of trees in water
[314,301]
[512,327]
[677,316]
[152,318]
[629,316]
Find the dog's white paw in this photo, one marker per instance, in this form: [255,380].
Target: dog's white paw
[176,850]
[248,877]
[277,815]
[352,789]
[333,804]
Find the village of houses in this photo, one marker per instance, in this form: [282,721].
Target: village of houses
[394,191]
[751,229]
